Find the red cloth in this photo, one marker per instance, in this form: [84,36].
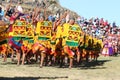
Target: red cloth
[1,48]
[105,23]
[12,18]
[69,51]
[10,28]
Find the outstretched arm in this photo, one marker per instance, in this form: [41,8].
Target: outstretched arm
[57,22]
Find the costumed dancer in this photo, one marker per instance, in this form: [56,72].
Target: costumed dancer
[24,49]
[4,52]
[97,48]
[71,36]
[43,31]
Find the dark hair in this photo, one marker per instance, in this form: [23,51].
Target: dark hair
[0,9]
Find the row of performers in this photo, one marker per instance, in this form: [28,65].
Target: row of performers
[66,39]
[55,47]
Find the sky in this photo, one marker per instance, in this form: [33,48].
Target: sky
[107,9]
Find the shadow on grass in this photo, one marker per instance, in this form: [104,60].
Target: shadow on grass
[15,63]
[87,65]
[94,65]
[32,78]
[84,65]
[8,63]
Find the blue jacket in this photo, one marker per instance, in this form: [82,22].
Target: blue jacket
[2,13]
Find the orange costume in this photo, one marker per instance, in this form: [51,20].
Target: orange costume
[4,49]
[71,37]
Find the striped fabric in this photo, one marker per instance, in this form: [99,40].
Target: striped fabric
[15,44]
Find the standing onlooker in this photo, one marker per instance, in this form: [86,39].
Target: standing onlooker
[105,51]
[114,25]
[19,8]
[118,46]
[1,13]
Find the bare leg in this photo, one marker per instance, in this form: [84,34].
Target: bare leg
[42,59]
[66,59]
[18,58]
[91,55]
[78,57]
[5,57]
[54,59]
[12,59]
[23,58]
[71,63]
[36,57]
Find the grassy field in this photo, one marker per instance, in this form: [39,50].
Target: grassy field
[107,68]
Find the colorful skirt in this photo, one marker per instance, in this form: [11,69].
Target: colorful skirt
[110,51]
[105,51]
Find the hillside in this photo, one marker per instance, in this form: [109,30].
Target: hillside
[53,6]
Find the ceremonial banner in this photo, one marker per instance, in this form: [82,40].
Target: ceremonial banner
[29,34]
[19,30]
[29,30]
[44,30]
[31,41]
[73,35]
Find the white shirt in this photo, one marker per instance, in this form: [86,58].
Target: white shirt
[19,8]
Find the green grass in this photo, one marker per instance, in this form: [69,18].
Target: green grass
[107,68]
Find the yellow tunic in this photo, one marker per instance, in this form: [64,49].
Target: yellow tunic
[59,32]
[38,27]
[87,39]
[71,34]
[66,29]
[101,43]
[44,30]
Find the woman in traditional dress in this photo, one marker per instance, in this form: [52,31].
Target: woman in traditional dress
[105,49]
[110,48]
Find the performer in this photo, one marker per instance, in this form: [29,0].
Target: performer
[53,43]
[24,49]
[97,48]
[71,36]
[43,31]
[4,52]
